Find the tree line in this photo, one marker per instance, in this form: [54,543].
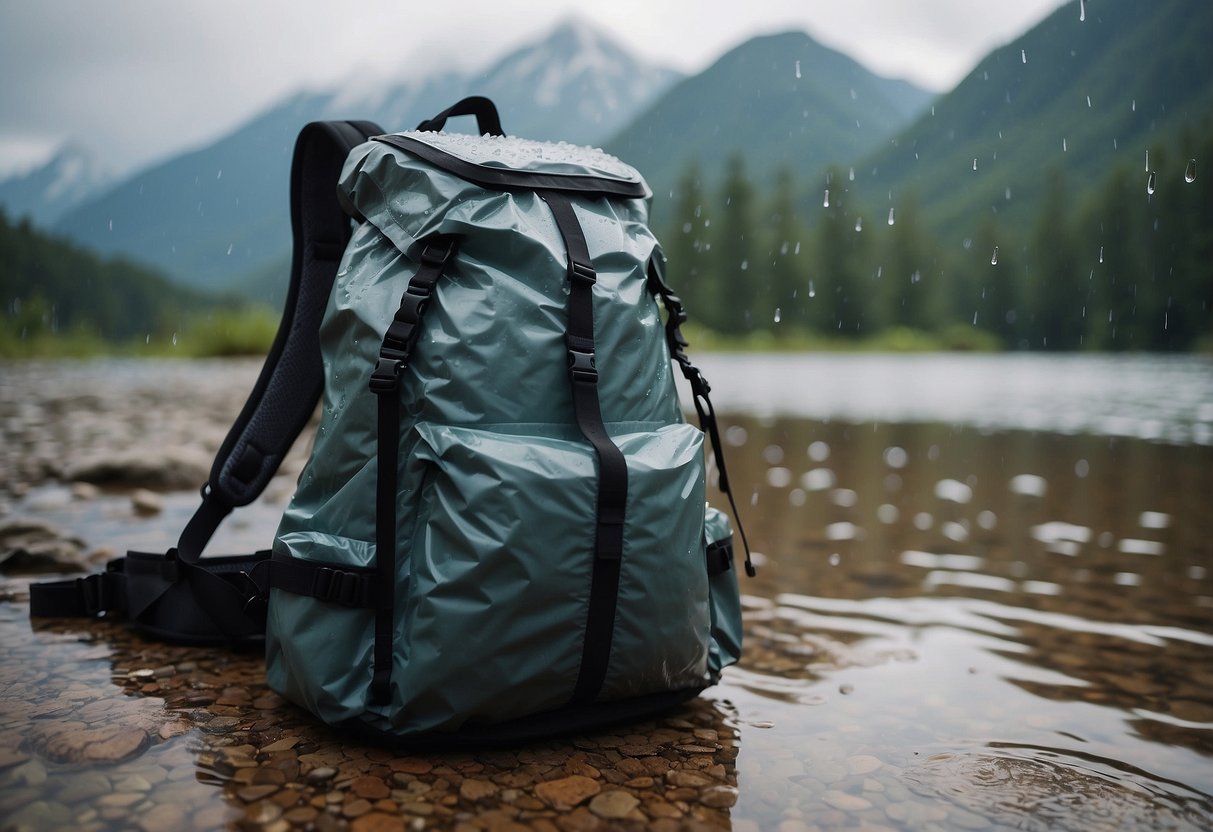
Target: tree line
[1124,265]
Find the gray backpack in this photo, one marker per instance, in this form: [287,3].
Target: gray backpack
[501,531]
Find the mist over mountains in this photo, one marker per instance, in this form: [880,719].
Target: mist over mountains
[1068,95]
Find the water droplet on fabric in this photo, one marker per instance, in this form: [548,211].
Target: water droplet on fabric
[1190,171]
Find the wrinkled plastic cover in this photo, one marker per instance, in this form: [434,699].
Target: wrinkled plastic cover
[497,486]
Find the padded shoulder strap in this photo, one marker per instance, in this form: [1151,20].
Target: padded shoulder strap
[292,379]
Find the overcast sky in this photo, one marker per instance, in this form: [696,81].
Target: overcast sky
[138,80]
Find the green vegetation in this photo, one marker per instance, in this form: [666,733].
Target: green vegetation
[1111,268]
[60,300]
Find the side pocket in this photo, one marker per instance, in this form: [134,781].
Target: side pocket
[725,646]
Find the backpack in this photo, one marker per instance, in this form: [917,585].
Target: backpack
[501,531]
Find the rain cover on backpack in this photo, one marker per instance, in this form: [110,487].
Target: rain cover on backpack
[515,602]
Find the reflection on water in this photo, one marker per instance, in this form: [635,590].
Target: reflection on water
[955,626]
[975,629]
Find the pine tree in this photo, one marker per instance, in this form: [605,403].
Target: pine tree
[742,287]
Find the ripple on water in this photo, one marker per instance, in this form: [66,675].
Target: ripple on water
[1049,790]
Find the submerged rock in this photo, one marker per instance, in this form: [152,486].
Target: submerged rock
[32,546]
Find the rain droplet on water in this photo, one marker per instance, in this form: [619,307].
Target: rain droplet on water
[891,220]
[994,257]
[1151,183]
[1190,171]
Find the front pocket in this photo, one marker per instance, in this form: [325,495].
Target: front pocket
[501,565]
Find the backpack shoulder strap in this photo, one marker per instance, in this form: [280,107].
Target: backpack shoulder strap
[210,600]
[292,379]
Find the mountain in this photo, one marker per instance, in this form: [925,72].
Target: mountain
[45,193]
[216,215]
[780,100]
[1071,98]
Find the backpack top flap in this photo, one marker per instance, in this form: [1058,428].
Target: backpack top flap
[404,183]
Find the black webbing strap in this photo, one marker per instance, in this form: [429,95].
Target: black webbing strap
[331,583]
[398,342]
[676,316]
[612,467]
[292,378]
[92,595]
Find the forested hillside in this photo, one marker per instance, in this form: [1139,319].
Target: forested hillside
[60,298]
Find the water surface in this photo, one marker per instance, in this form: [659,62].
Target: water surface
[984,602]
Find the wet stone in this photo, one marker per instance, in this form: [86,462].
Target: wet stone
[613,804]
[567,792]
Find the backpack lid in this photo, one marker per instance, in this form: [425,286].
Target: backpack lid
[506,162]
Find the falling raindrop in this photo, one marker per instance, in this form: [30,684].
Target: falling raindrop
[1088,102]
[745,265]
[229,248]
[994,257]
[891,220]
[1190,171]
[798,69]
[974,163]
[1147,160]
[797,249]
[1101,254]
[851,175]
[825,203]
[1082,10]
[1063,144]
[1151,183]
[974,317]
[858,224]
[778,315]
[1023,55]
[812,290]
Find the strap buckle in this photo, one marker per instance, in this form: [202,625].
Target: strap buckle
[338,587]
[582,366]
[95,594]
[582,272]
[386,375]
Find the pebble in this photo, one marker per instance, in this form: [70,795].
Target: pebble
[567,792]
[146,503]
[614,804]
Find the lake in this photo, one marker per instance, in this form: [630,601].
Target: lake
[984,601]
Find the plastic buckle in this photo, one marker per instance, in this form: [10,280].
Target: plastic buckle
[386,375]
[336,587]
[93,594]
[582,367]
[437,253]
[582,272]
